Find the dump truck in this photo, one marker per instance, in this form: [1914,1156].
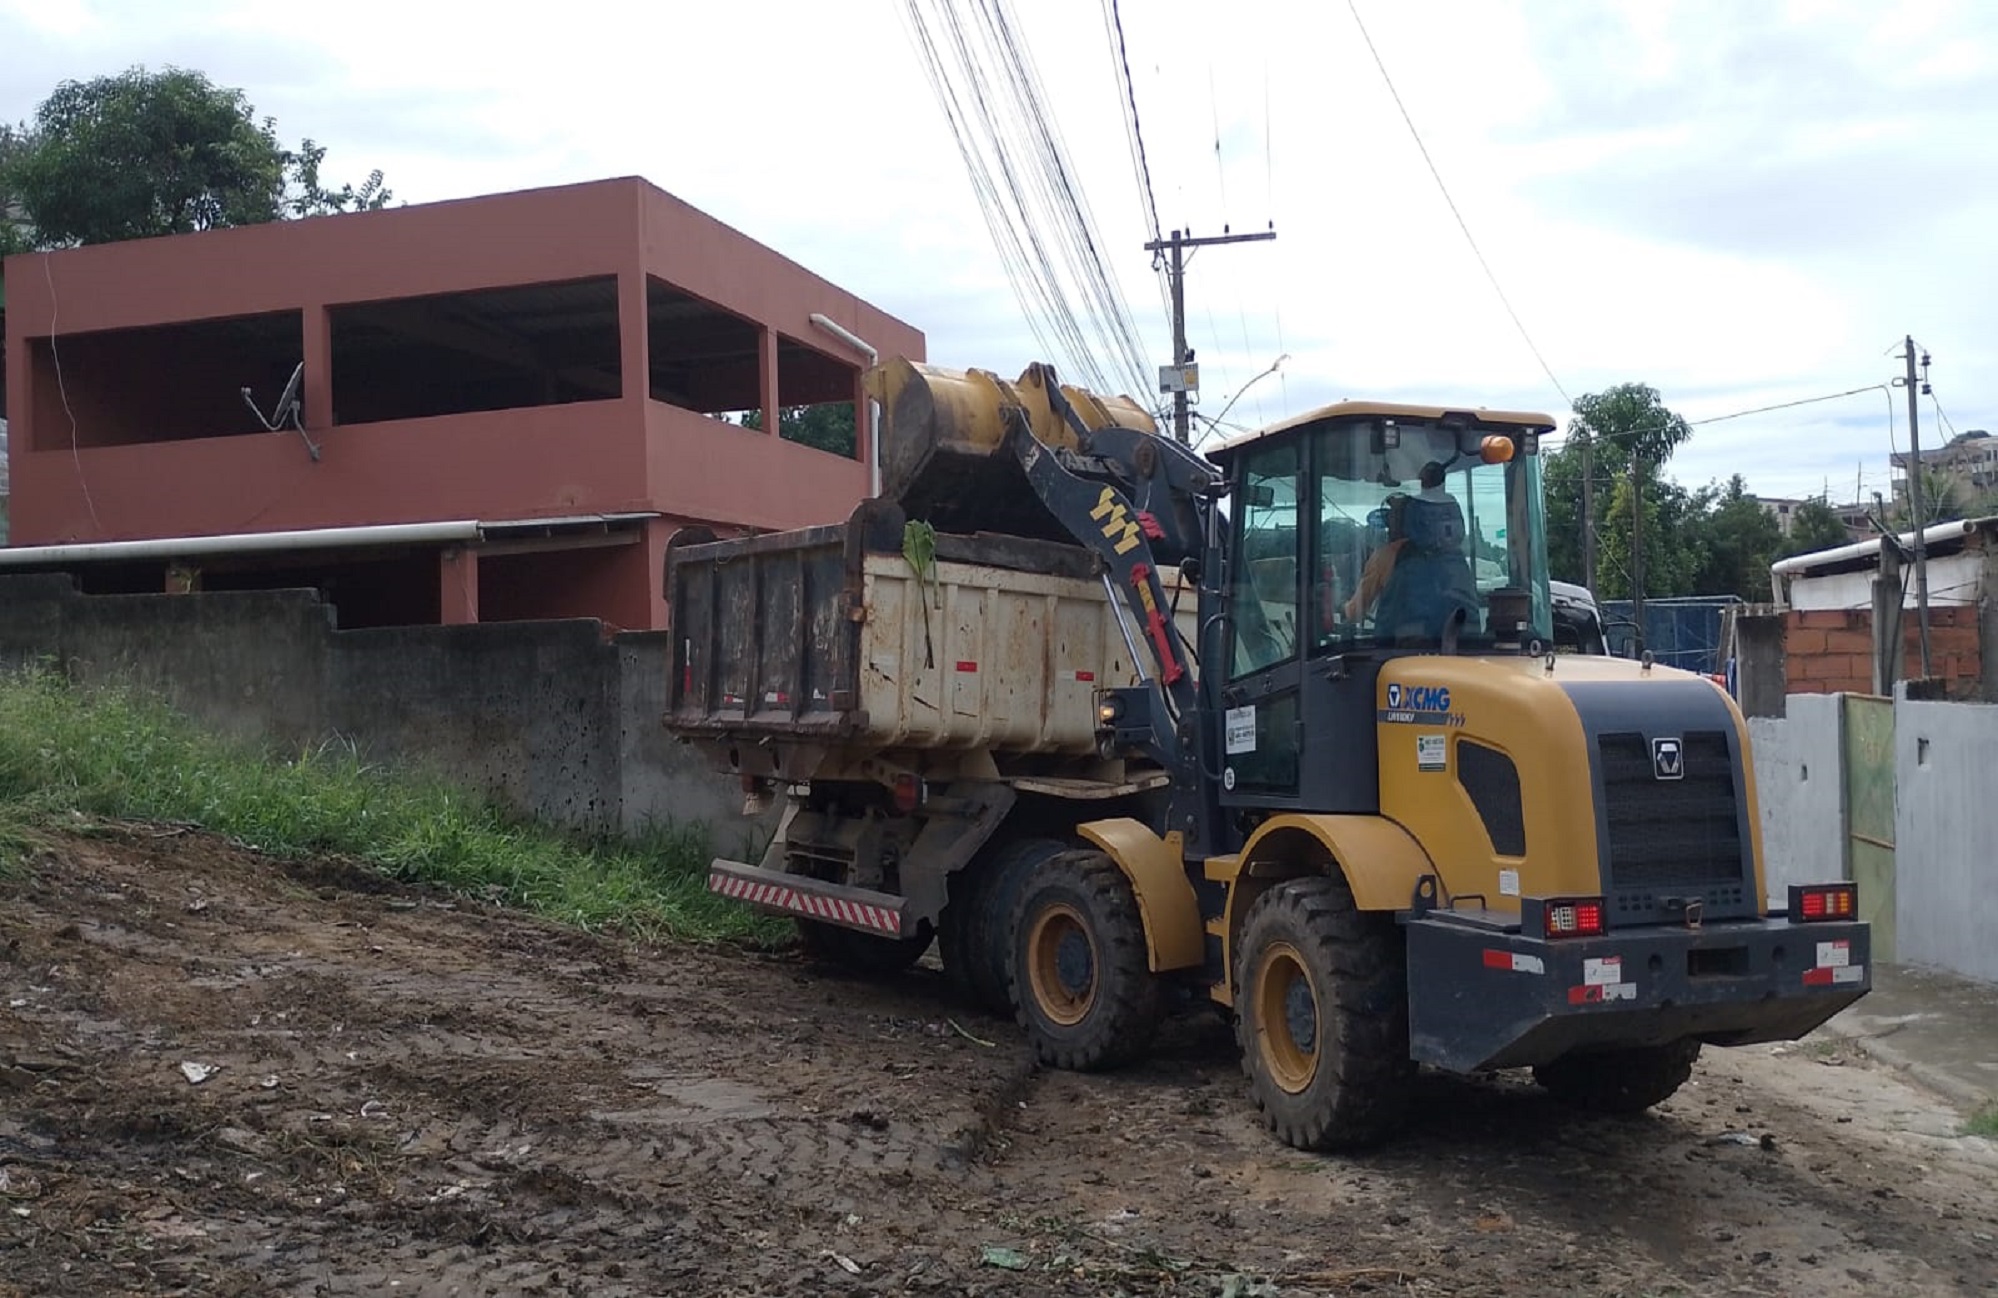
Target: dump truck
[1280,730]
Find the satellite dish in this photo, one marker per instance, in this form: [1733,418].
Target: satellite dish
[288,409]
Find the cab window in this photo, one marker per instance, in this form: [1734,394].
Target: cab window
[1263,601]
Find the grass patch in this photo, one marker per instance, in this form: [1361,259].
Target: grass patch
[117,754]
[1984,1122]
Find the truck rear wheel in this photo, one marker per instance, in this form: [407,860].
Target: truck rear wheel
[1077,967]
[1321,999]
[972,936]
[1619,1081]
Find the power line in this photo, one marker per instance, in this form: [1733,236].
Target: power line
[1113,19]
[1782,405]
[1437,176]
[1560,440]
[991,95]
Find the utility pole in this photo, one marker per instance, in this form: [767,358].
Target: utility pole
[1637,544]
[1915,485]
[1589,515]
[1174,378]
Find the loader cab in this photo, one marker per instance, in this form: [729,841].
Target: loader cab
[1357,534]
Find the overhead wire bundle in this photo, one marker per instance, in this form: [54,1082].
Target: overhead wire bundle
[990,92]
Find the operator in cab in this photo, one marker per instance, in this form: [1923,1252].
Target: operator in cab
[1387,528]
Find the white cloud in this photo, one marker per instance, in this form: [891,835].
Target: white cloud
[1736,204]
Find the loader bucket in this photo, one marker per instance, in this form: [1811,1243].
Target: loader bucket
[944,456]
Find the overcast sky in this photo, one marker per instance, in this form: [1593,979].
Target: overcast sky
[1737,203]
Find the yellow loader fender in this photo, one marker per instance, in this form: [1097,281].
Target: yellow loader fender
[1156,867]
[1380,861]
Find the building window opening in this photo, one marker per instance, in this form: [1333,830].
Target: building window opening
[161,383]
[815,398]
[701,357]
[489,349]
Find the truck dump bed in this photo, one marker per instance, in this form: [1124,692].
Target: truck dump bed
[829,634]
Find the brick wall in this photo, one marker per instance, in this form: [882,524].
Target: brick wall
[1831,651]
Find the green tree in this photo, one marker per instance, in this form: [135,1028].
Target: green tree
[1675,542]
[1627,421]
[1942,501]
[1616,424]
[15,233]
[150,153]
[1813,527]
[1739,539]
[828,427]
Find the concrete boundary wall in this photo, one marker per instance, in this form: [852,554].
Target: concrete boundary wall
[1946,836]
[549,718]
[1944,875]
[1799,784]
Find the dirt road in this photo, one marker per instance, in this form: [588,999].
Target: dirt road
[399,1094]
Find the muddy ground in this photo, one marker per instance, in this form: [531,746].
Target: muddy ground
[403,1094]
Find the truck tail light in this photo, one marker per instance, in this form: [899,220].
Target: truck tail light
[1573,917]
[1813,902]
[908,793]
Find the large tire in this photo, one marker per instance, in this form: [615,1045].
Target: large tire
[1619,1081]
[1077,967]
[973,935]
[1321,1001]
[861,952]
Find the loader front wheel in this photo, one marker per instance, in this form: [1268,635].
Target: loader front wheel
[1077,966]
[1321,998]
[1619,1081]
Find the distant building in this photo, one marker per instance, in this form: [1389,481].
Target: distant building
[506,405]
[1858,521]
[1782,510]
[1967,462]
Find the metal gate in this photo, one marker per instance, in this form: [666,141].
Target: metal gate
[1868,728]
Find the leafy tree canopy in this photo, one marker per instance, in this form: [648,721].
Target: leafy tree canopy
[1628,420]
[1813,527]
[828,427]
[146,153]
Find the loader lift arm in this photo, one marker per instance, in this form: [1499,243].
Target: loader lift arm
[1090,493]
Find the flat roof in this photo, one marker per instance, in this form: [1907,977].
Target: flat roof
[1390,410]
[370,536]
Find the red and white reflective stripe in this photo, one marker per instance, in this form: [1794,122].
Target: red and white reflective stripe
[778,896]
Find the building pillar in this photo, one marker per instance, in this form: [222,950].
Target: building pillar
[863,425]
[634,337]
[766,355]
[458,586]
[318,359]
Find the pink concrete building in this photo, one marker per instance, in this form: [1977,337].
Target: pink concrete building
[506,406]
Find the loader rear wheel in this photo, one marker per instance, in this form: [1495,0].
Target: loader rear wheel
[861,952]
[1619,1081]
[973,938]
[1321,997]
[1077,967]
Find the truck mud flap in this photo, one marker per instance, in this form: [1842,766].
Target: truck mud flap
[882,914]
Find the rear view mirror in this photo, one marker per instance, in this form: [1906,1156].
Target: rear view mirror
[1262,497]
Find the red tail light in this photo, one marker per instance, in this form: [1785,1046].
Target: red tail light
[908,793]
[1812,902]
[1573,917]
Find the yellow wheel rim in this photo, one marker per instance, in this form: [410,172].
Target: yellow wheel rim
[1287,1025]
[1061,964]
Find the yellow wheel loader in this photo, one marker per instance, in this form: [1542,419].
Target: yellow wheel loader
[1279,730]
